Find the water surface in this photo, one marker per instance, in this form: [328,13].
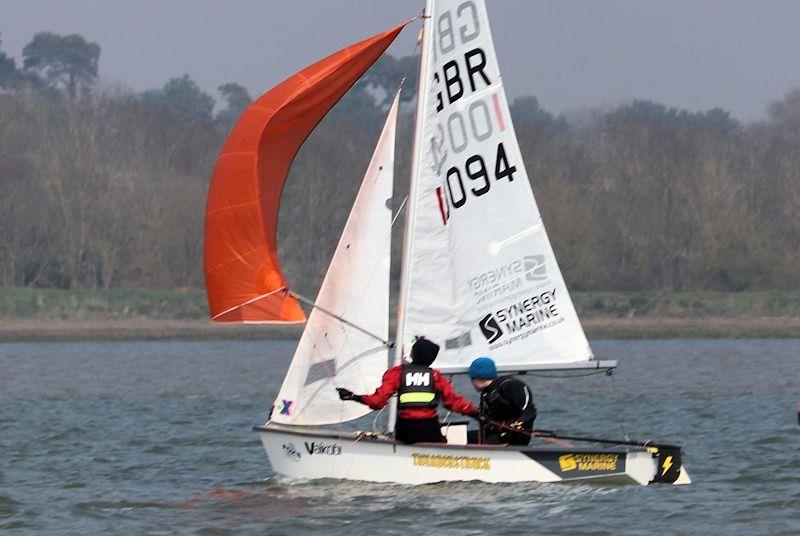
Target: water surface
[154,437]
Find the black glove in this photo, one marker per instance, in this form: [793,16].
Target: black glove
[345,394]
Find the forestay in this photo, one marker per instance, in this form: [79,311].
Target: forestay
[355,288]
[480,276]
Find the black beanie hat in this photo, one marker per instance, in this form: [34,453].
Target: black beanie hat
[424,352]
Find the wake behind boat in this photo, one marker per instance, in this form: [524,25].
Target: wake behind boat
[479,276]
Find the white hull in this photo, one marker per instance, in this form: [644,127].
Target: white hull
[313,454]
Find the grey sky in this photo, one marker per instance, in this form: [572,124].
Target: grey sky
[697,54]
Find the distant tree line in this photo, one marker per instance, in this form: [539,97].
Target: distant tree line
[102,187]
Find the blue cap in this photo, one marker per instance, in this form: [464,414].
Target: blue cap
[483,369]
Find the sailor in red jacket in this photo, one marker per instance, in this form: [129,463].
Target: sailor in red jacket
[419,389]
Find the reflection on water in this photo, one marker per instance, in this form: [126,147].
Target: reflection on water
[155,437]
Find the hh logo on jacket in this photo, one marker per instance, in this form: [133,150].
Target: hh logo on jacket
[418,378]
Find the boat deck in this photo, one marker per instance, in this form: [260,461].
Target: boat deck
[371,438]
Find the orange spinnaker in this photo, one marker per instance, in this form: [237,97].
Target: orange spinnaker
[244,281]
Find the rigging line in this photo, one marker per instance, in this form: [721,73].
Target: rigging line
[446,420]
[621,413]
[386,245]
[399,210]
[360,300]
[332,376]
[305,300]
[329,372]
[555,435]
[417,44]
[346,342]
[310,303]
[375,420]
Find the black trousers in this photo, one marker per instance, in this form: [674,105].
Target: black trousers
[418,431]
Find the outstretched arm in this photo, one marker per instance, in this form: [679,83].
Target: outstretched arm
[378,399]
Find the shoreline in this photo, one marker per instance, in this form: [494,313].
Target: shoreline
[143,329]
[140,329]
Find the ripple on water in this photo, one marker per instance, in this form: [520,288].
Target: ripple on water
[108,509]
[8,506]
[74,432]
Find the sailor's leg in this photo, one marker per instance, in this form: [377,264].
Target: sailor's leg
[418,431]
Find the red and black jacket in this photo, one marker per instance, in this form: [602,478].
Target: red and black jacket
[391,383]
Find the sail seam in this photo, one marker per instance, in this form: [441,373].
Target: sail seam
[235,153]
[237,258]
[229,207]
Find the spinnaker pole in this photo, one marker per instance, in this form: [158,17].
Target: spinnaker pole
[314,305]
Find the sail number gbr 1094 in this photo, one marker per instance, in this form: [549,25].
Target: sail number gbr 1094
[467,152]
[456,148]
[459,138]
[477,174]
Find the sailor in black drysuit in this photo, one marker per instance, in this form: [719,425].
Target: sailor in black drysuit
[506,404]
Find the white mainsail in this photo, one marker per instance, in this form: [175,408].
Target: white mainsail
[356,288]
[479,274]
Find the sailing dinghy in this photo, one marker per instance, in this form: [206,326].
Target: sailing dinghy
[479,276]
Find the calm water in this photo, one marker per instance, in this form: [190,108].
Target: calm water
[154,437]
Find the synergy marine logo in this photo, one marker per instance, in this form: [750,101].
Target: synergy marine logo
[588,462]
[529,311]
[508,279]
[522,318]
[490,328]
[534,268]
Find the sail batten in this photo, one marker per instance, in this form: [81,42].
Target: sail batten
[244,279]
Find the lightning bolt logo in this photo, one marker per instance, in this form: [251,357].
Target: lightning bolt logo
[667,465]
